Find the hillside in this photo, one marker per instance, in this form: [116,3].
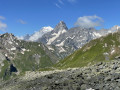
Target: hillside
[102,49]
[93,67]
[17,56]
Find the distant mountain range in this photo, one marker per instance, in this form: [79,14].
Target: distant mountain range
[105,48]
[43,48]
[64,41]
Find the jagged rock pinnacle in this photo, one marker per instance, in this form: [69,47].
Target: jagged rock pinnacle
[61,26]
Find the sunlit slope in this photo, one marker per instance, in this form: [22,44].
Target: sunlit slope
[102,49]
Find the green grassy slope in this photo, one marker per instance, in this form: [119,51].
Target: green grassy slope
[93,52]
[35,57]
[27,62]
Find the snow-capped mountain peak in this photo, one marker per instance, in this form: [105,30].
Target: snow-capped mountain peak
[37,34]
[40,33]
[66,41]
[58,30]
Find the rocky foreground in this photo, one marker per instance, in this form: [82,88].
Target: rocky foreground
[102,76]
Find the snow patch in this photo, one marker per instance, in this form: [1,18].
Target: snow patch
[39,45]
[58,40]
[90,89]
[113,51]
[9,42]
[14,48]
[61,44]
[105,44]
[24,49]
[97,34]
[106,53]
[50,48]
[55,36]
[22,52]
[16,43]
[63,31]
[6,55]
[62,50]
[2,64]
[28,50]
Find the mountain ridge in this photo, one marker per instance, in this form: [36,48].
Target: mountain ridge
[105,48]
[64,41]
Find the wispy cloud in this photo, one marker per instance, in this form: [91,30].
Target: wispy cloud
[57,5]
[89,21]
[2,18]
[3,26]
[22,21]
[60,1]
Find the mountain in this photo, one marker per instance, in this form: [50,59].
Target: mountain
[18,56]
[105,48]
[38,34]
[63,44]
[50,37]
[95,66]
[63,41]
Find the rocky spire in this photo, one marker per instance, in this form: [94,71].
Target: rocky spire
[61,26]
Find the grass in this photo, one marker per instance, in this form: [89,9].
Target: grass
[4,70]
[92,52]
[26,61]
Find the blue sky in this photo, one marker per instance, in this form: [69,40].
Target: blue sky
[26,16]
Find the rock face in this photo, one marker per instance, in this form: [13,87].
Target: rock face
[50,37]
[101,49]
[64,42]
[20,56]
[101,76]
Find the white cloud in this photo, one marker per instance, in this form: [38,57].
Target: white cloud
[2,18]
[57,5]
[40,33]
[89,21]
[20,37]
[60,1]
[22,21]
[36,35]
[3,26]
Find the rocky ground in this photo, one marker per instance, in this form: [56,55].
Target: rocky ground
[101,76]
